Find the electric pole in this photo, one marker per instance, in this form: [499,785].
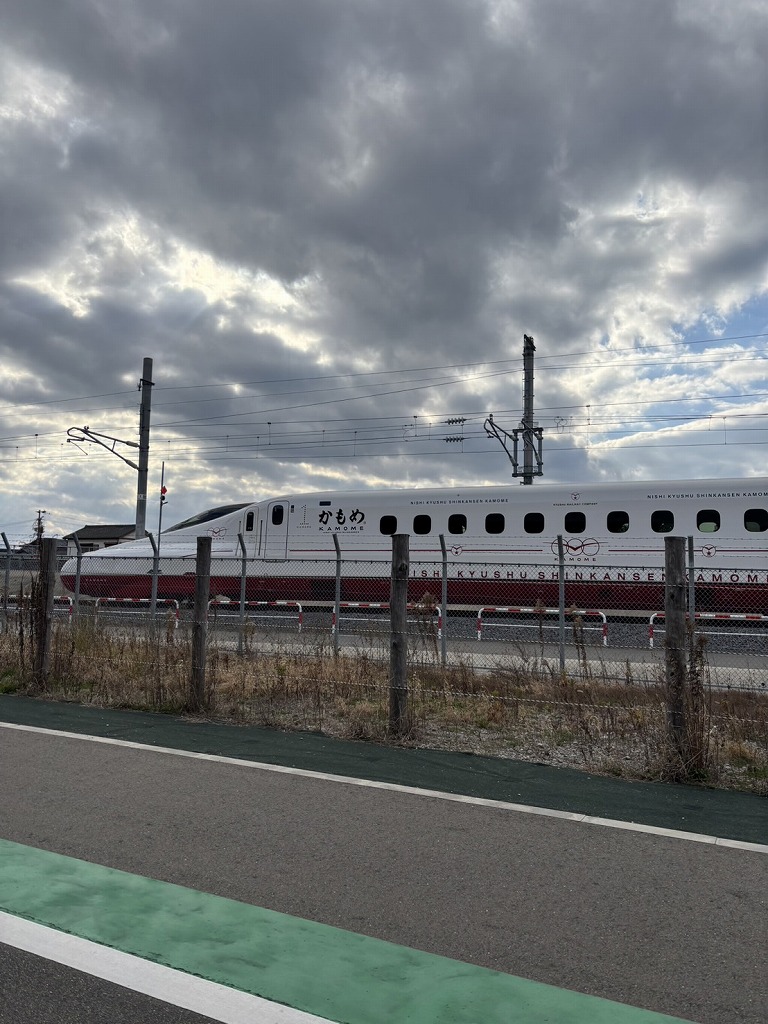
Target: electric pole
[81,435]
[527,424]
[531,435]
[145,385]
[39,527]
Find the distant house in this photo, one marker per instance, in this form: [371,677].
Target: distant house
[27,556]
[94,537]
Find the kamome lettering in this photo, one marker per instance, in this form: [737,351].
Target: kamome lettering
[597,575]
[459,501]
[682,495]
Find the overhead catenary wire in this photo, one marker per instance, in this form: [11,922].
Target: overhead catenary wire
[513,368]
[181,431]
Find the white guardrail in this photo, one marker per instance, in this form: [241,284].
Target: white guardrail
[541,613]
[425,612]
[143,602]
[237,605]
[712,617]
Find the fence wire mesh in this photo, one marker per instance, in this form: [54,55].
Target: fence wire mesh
[525,660]
[593,621]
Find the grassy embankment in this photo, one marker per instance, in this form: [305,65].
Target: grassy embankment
[523,708]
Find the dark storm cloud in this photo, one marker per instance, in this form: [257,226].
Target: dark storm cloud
[36,217]
[235,129]
[658,89]
[426,180]
[231,132]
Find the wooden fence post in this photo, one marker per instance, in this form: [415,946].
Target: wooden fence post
[196,700]
[675,594]
[398,656]
[45,590]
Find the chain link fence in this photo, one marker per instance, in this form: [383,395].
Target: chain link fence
[591,621]
[485,622]
[547,662]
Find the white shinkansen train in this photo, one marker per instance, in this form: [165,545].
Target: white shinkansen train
[501,543]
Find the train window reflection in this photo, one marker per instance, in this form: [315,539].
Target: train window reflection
[388,525]
[494,522]
[662,521]
[206,517]
[457,523]
[617,522]
[533,522]
[707,521]
[422,524]
[278,513]
[575,522]
[756,520]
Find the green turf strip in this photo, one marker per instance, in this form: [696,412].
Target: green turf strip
[339,975]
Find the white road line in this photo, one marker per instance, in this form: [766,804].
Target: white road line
[587,819]
[219,1002]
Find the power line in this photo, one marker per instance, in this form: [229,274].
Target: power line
[362,448]
[657,347]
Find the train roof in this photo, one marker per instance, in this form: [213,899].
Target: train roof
[637,489]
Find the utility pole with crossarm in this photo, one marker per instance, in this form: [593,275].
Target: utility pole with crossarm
[81,435]
[532,435]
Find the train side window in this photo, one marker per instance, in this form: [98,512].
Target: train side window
[707,520]
[422,524]
[494,522]
[617,522]
[278,514]
[662,521]
[533,522]
[756,520]
[388,525]
[575,522]
[457,523]
[249,522]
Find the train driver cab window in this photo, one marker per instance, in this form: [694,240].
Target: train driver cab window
[278,513]
[388,525]
[662,521]
[249,521]
[756,520]
[422,524]
[617,522]
[494,522]
[457,523]
[707,521]
[575,522]
[533,522]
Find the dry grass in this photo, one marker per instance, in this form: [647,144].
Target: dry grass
[524,710]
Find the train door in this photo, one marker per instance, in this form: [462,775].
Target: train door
[274,534]
[250,530]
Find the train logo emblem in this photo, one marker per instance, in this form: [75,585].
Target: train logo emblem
[708,550]
[586,548]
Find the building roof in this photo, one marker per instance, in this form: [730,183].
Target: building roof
[102,532]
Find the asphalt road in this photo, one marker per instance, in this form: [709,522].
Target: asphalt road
[676,926]
[39,991]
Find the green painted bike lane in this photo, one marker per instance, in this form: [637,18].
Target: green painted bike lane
[727,815]
[334,974]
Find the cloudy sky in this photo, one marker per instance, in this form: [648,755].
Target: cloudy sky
[330,222]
